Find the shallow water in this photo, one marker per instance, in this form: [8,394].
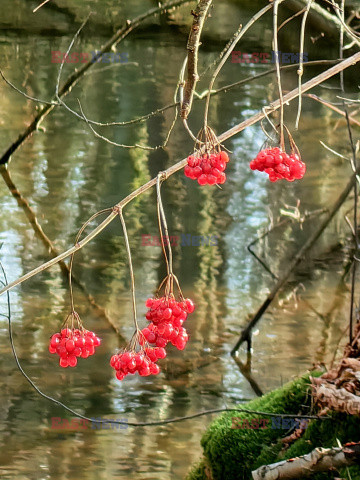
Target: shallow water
[67,174]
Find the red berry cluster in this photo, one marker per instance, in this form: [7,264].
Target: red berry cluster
[143,362]
[166,317]
[279,165]
[208,168]
[72,343]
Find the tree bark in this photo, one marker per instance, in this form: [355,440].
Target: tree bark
[319,460]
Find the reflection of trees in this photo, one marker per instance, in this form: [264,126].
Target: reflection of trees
[209,327]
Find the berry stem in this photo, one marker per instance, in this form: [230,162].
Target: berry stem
[163,225]
[106,210]
[300,70]
[278,76]
[132,277]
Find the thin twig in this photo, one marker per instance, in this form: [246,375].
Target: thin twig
[41,5]
[332,107]
[34,99]
[237,37]
[301,60]
[163,224]
[131,269]
[107,140]
[341,44]
[355,37]
[246,332]
[356,237]
[53,252]
[75,76]
[71,263]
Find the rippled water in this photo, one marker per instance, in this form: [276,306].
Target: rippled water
[66,174]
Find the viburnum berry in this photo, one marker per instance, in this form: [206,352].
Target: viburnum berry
[207,169]
[70,344]
[166,317]
[279,165]
[143,362]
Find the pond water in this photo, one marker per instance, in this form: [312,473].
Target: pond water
[66,174]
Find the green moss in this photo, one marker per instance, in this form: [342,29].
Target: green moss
[233,452]
[326,433]
[197,472]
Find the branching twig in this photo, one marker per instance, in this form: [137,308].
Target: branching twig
[74,77]
[178,166]
[355,37]
[5,158]
[332,107]
[120,422]
[237,37]
[53,252]
[246,332]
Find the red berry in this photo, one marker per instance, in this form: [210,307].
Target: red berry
[180,343]
[120,375]
[160,352]
[202,180]
[113,360]
[65,332]
[154,369]
[89,341]
[190,307]
[70,345]
[212,179]
[224,157]
[63,362]
[80,342]
[161,342]
[72,361]
[139,359]
[144,371]
[55,340]
[151,337]
[222,178]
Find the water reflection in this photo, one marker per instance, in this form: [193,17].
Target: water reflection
[66,175]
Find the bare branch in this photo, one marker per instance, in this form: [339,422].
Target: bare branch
[193,47]
[76,76]
[178,166]
[319,460]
